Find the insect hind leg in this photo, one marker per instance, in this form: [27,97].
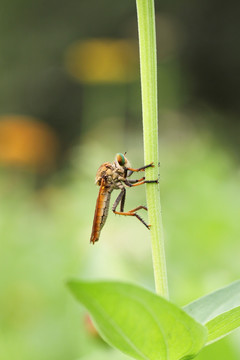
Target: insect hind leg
[142,221]
[133,213]
[120,199]
[138,208]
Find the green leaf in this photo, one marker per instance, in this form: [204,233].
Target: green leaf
[105,354]
[140,323]
[218,311]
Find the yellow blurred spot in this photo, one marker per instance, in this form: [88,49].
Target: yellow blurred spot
[27,142]
[103,60]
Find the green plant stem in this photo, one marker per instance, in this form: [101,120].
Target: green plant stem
[148,67]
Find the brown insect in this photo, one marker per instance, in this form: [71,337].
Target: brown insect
[111,176]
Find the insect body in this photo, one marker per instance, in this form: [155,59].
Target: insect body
[112,176]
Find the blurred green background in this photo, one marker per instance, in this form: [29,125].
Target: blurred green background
[69,101]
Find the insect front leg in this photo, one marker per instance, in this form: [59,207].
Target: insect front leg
[141,168]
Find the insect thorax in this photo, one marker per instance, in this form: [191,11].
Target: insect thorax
[111,173]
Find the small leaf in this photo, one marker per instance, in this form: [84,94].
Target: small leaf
[218,311]
[140,323]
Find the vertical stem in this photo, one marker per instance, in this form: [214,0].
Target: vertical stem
[148,67]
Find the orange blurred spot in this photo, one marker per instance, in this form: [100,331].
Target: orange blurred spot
[103,60]
[90,326]
[27,142]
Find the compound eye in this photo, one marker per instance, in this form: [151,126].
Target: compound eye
[121,159]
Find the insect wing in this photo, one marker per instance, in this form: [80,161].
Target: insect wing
[101,211]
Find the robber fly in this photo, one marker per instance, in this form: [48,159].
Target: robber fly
[111,176]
